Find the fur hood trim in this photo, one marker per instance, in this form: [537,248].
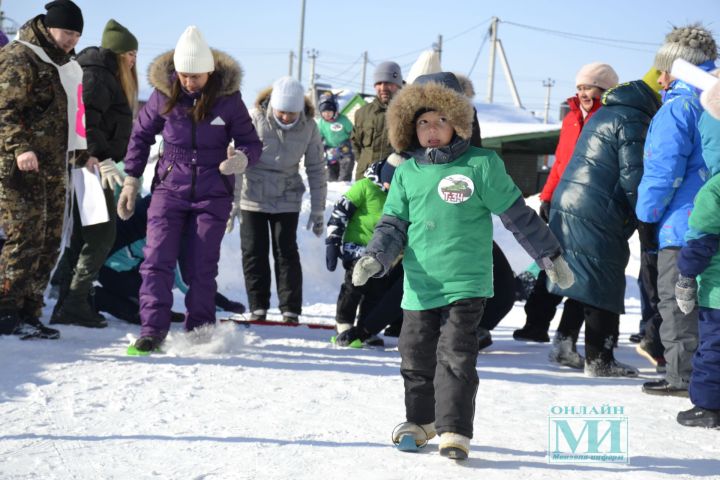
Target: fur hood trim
[262,102]
[433,96]
[466,85]
[162,71]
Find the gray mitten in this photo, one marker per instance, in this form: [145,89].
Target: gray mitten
[686,293]
[316,222]
[365,268]
[559,272]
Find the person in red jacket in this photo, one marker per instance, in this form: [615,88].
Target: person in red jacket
[591,82]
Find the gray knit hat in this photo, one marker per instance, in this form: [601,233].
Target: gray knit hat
[692,43]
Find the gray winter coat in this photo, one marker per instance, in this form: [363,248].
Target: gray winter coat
[274,185]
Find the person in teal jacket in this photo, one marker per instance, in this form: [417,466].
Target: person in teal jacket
[438,212]
[335,130]
[674,171]
[699,278]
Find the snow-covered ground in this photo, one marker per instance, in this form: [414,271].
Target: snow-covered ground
[282,403]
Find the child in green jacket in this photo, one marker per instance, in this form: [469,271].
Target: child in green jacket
[335,130]
[439,211]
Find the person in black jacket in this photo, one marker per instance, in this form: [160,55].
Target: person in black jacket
[110,89]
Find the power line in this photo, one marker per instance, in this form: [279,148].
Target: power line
[477,55]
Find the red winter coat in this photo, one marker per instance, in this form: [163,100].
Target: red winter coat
[569,133]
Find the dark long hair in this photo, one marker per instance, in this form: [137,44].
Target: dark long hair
[209,94]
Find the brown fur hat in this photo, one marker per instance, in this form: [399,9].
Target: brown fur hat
[428,96]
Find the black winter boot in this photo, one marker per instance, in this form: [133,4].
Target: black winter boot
[76,310]
[699,417]
[9,320]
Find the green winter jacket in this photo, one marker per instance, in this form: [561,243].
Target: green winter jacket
[337,132]
[370,136]
[369,200]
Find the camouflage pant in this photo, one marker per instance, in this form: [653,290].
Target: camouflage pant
[31,212]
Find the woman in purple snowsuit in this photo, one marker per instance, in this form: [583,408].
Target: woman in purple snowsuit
[197,106]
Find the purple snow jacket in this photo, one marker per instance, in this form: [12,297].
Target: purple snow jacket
[192,152]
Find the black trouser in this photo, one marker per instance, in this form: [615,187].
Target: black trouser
[601,328]
[649,299]
[378,300]
[439,349]
[541,305]
[255,246]
[119,294]
[504,287]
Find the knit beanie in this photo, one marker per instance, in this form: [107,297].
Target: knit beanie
[327,103]
[63,14]
[117,38]
[388,72]
[692,43]
[597,74]
[287,95]
[192,53]
[427,62]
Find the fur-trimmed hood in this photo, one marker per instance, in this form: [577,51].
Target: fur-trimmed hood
[432,96]
[262,103]
[161,72]
[466,84]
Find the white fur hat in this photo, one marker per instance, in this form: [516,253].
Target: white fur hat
[287,95]
[192,53]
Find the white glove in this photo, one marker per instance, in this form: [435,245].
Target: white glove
[236,162]
[128,195]
[110,175]
[316,222]
[234,213]
[365,268]
[559,272]
[686,293]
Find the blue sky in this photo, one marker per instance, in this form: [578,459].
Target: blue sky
[260,34]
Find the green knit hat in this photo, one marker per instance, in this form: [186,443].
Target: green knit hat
[117,38]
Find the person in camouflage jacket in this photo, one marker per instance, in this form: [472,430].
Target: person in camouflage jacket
[34,141]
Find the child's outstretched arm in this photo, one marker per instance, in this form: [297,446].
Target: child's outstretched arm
[339,218]
[387,243]
[538,241]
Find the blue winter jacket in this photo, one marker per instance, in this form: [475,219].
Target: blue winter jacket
[674,169]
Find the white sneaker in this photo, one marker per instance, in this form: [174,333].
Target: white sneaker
[454,446]
[421,433]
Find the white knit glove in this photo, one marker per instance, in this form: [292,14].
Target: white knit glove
[236,162]
[234,213]
[560,273]
[365,268]
[110,175]
[128,195]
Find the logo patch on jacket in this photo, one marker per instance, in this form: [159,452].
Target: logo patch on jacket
[456,188]
[217,121]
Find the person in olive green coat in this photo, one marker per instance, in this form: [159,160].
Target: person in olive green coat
[369,138]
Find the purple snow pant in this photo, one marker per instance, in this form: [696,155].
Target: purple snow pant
[190,231]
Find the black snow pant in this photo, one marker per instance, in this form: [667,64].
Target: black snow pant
[649,300]
[374,311]
[255,242]
[504,287]
[601,329]
[342,170]
[119,294]
[439,349]
[541,305]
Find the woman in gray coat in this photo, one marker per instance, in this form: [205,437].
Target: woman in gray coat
[271,196]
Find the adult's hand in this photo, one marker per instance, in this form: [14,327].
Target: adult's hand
[28,162]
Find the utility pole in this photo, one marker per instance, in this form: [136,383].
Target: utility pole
[549,83]
[312,55]
[364,70]
[493,46]
[302,41]
[290,66]
[438,48]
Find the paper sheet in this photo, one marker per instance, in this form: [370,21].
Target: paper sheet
[90,197]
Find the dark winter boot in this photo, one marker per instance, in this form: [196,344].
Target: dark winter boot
[9,320]
[564,352]
[601,362]
[290,317]
[258,315]
[352,337]
[147,344]
[529,334]
[76,310]
[699,417]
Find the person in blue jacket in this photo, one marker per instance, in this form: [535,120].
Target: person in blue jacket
[674,171]
[700,258]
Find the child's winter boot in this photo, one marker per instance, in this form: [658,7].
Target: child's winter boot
[454,446]
[421,433]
